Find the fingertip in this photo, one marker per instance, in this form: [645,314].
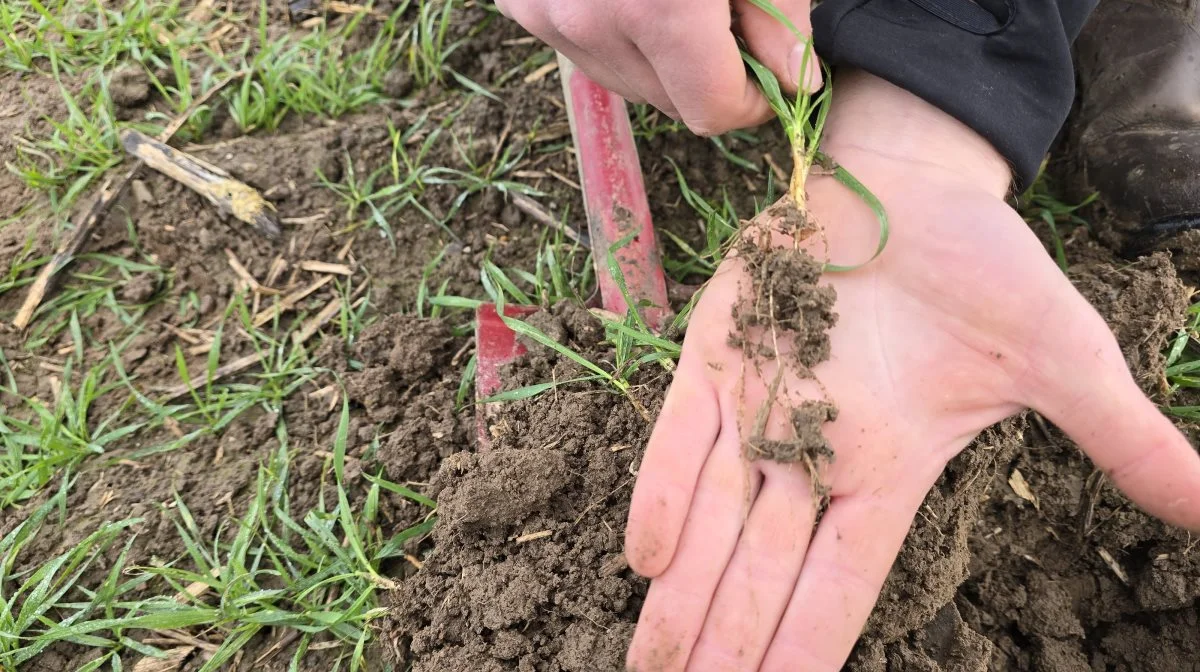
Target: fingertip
[788,55]
[1084,386]
[1160,473]
[1128,437]
[709,127]
[752,110]
[804,69]
[649,545]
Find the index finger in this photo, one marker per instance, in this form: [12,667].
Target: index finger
[700,66]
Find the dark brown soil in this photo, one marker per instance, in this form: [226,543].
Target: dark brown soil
[987,581]
[996,583]
[788,301]
[527,569]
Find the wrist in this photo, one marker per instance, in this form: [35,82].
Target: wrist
[872,116]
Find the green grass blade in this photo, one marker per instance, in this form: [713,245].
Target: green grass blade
[845,178]
[536,334]
[401,490]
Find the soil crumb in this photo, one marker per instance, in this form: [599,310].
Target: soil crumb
[129,86]
[786,299]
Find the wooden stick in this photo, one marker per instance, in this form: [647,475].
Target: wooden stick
[240,270]
[109,192]
[317,322]
[288,302]
[538,213]
[228,194]
[236,366]
[314,266]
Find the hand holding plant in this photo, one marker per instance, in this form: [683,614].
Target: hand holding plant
[962,321]
[681,56]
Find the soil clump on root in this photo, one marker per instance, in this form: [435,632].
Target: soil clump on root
[782,325]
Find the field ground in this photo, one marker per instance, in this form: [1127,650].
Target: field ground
[224,451]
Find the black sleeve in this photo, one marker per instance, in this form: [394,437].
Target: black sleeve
[1002,67]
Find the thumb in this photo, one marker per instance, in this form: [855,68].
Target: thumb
[1087,391]
[773,43]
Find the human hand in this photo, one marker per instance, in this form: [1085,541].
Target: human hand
[962,321]
[681,56]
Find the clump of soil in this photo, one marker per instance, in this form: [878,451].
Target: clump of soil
[527,569]
[786,302]
[129,86]
[784,319]
[809,446]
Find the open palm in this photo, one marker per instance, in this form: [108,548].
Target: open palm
[963,321]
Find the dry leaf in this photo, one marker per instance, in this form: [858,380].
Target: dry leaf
[1020,486]
[174,660]
[202,12]
[1113,565]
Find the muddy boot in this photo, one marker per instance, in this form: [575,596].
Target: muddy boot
[1136,134]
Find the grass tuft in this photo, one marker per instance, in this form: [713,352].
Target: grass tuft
[803,119]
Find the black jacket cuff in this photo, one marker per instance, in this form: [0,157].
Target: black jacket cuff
[1002,67]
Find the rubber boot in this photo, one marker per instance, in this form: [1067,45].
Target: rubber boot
[1136,131]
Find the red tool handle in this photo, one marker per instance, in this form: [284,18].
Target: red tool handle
[495,346]
[615,199]
[614,195]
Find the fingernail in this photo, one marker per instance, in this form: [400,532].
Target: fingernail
[812,80]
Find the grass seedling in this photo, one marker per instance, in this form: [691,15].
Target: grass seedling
[22,266]
[86,34]
[423,288]
[374,201]
[720,222]
[722,146]
[45,604]
[634,345]
[480,174]
[40,439]
[1040,204]
[318,574]
[427,49]
[803,119]
[649,123]
[77,151]
[91,289]
[355,314]
[1182,368]
[562,272]
[211,405]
